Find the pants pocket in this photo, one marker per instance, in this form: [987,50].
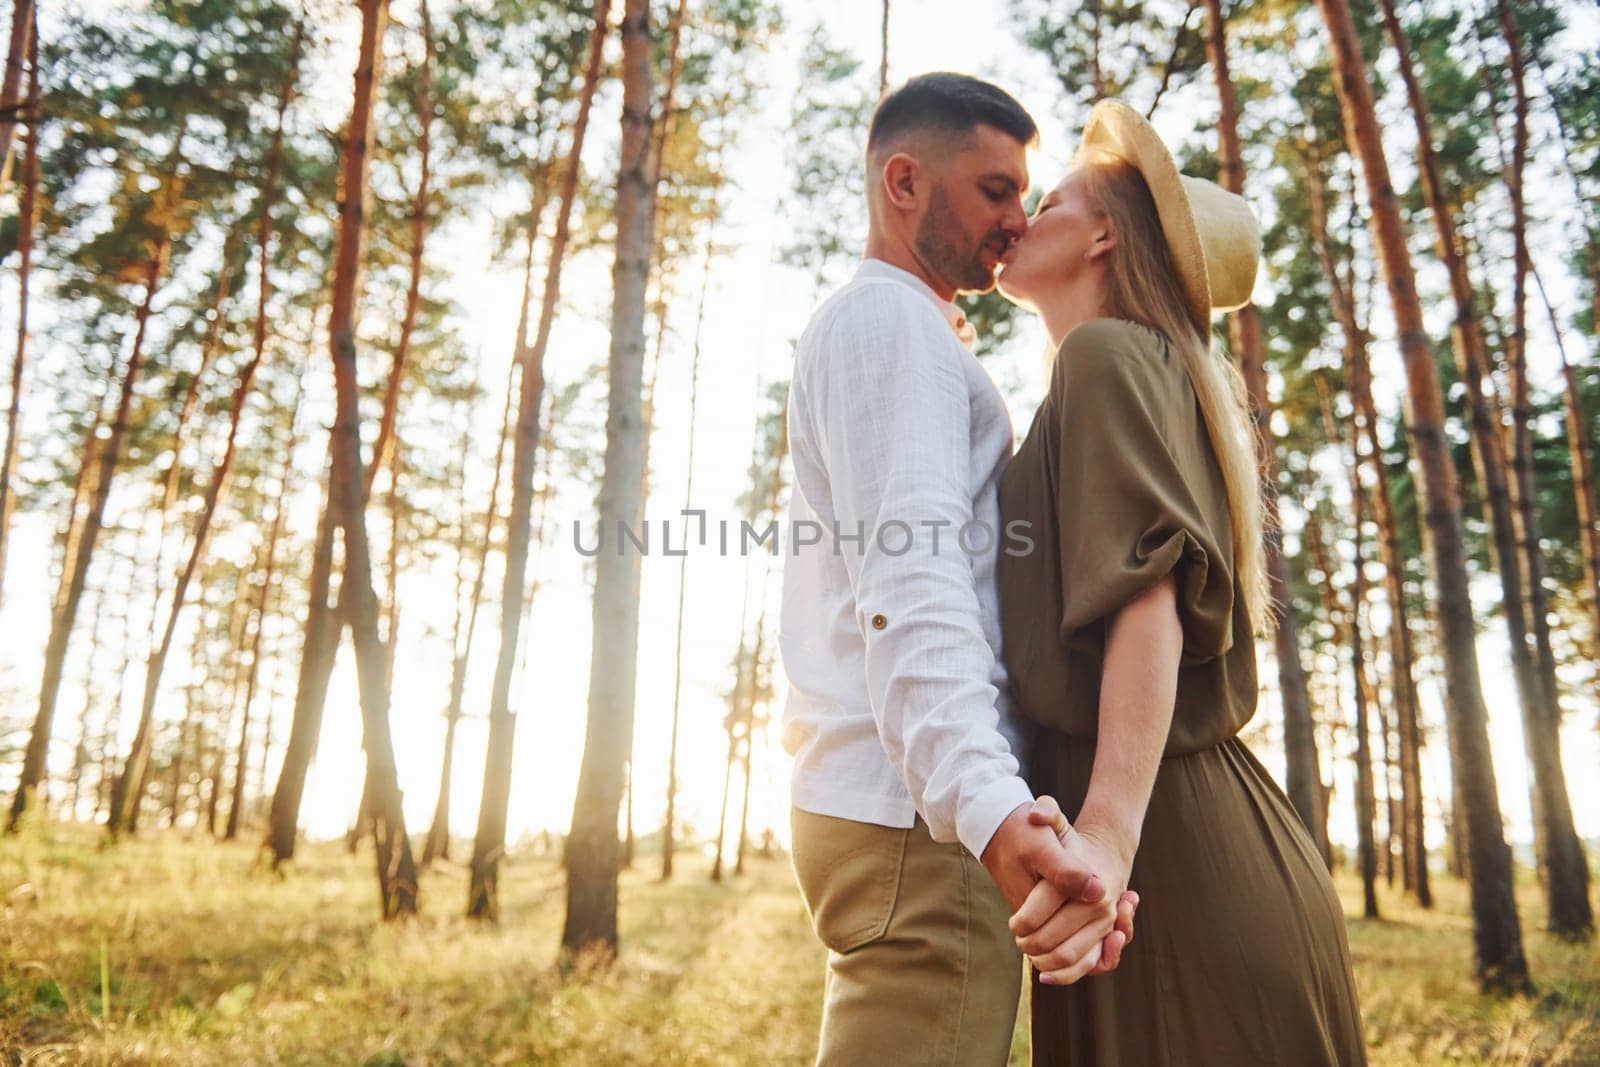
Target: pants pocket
[849,875]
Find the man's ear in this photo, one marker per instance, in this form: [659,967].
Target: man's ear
[902,176]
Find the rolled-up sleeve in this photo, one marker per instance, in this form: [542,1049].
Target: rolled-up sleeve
[892,412]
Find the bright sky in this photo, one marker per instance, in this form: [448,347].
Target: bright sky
[756,308]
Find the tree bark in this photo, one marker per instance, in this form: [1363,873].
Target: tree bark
[1582,472]
[1304,775]
[24,33]
[1565,867]
[263,613]
[419,232]
[397,876]
[591,921]
[322,630]
[80,549]
[1500,963]
[883,63]
[489,842]
[131,781]
[1364,415]
[26,221]
[1366,799]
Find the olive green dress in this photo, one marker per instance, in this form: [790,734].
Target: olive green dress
[1239,954]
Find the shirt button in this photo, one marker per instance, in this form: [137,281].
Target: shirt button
[879,622]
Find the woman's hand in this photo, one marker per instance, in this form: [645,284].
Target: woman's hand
[1068,940]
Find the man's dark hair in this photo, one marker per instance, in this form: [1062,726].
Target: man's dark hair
[948,103]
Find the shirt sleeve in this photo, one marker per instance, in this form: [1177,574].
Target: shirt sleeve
[1140,491]
[894,423]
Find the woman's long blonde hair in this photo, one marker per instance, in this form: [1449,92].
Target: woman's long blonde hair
[1142,286]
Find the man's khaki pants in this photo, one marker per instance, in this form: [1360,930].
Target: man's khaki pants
[921,966]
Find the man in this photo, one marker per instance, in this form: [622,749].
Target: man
[904,776]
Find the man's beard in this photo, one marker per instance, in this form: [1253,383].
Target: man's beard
[943,246]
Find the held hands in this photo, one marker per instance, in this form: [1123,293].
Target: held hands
[1068,937]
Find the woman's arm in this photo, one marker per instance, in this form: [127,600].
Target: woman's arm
[1138,687]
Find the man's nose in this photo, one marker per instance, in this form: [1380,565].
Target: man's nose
[1017,222]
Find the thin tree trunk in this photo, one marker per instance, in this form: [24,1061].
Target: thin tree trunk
[80,553]
[1304,775]
[883,63]
[419,233]
[1365,804]
[24,34]
[1582,470]
[591,920]
[80,755]
[131,781]
[1364,415]
[347,498]
[669,828]
[1500,963]
[239,618]
[319,649]
[26,221]
[1097,81]
[749,738]
[1566,868]
[489,843]
[1364,696]
[437,843]
[262,613]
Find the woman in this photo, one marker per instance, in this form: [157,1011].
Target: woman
[1128,629]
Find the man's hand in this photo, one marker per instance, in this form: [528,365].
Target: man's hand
[1069,939]
[1023,853]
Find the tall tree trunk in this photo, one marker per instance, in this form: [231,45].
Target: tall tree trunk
[591,921]
[26,221]
[347,498]
[1500,963]
[263,613]
[669,827]
[883,63]
[1304,775]
[1364,415]
[1364,696]
[489,842]
[80,550]
[1472,362]
[750,736]
[438,844]
[1582,470]
[24,34]
[419,233]
[318,651]
[1565,867]
[131,781]
[80,755]
[239,617]
[1365,804]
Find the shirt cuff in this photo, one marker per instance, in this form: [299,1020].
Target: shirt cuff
[981,815]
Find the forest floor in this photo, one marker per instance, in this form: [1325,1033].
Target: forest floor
[174,950]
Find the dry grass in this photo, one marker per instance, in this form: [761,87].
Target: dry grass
[209,960]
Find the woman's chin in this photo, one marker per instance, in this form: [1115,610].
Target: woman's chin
[1013,288]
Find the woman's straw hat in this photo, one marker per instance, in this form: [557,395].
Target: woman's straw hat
[1213,234]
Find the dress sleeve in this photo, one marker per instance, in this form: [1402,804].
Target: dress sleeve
[1140,493]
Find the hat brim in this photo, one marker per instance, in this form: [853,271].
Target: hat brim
[1116,128]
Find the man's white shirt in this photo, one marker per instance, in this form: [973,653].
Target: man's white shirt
[890,627]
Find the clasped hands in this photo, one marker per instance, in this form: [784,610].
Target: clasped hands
[1068,887]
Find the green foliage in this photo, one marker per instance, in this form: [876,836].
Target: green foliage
[827,143]
[1140,50]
